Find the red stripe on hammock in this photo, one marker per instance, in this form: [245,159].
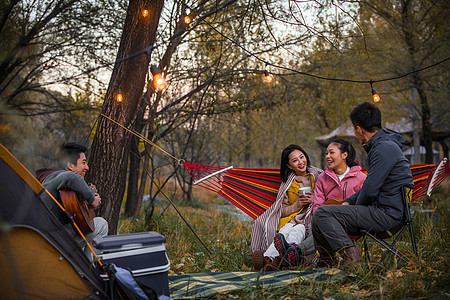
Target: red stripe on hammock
[233,198]
[274,177]
[266,199]
[255,182]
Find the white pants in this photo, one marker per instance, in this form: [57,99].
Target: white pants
[293,233]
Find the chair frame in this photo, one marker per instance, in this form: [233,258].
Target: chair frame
[395,232]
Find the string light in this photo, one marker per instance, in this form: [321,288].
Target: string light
[150,48]
[158,80]
[119,96]
[375,95]
[376,98]
[187,20]
[268,77]
[145,13]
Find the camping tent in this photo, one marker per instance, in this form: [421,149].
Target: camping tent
[39,259]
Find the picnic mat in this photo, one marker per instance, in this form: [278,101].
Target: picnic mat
[208,284]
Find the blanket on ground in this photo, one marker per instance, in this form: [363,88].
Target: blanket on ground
[209,284]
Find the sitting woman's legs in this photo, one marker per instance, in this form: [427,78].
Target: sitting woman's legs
[296,234]
[272,252]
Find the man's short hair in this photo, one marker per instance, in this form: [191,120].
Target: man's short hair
[70,152]
[367,116]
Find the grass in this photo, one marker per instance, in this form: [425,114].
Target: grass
[227,237]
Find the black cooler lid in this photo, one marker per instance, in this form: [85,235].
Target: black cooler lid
[118,241]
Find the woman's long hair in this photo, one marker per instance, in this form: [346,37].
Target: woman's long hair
[345,146]
[284,169]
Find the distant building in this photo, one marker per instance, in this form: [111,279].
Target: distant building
[345,131]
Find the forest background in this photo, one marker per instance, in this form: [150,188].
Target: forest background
[63,64]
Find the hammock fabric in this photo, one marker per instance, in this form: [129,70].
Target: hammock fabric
[253,190]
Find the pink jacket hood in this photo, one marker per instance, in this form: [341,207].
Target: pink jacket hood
[328,186]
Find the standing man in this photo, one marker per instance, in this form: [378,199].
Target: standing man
[378,205]
[70,175]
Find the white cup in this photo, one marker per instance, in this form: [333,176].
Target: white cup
[305,189]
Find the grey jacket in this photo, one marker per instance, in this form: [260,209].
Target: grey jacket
[62,179]
[387,171]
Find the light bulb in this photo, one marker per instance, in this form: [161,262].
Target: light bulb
[119,96]
[375,96]
[268,76]
[145,13]
[187,19]
[159,82]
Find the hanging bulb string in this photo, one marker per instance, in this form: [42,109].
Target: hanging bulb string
[34,86]
[149,49]
[361,81]
[304,73]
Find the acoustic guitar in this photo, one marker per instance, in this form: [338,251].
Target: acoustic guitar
[83,215]
[334,202]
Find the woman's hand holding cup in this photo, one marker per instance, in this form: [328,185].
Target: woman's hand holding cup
[305,196]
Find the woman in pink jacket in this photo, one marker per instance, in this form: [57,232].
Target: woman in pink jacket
[342,178]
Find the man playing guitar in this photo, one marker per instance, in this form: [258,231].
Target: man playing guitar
[70,176]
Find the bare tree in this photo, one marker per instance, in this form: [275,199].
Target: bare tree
[44,41]
[111,145]
[417,34]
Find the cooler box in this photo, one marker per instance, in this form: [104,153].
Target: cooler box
[143,253]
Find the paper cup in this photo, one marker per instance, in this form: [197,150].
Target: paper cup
[305,189]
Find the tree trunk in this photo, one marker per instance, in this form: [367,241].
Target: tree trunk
[444,147]
[144,173]
[133,178]
[163,65]
[248,140]
[111,144]
[426,119]
[147,153]
[417,81]
[132,202]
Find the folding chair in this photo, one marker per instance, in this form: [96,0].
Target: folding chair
[395,232]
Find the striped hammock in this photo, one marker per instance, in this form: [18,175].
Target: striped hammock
[253,190]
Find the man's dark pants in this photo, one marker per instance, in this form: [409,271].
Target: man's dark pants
[332,225]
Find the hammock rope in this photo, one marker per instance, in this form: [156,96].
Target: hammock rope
[146,140]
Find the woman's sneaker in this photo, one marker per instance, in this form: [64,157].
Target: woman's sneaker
[292,258]
[280,244]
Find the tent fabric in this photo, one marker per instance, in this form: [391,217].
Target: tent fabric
[209,284]
[21,206]
[254,190]
[32,269]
